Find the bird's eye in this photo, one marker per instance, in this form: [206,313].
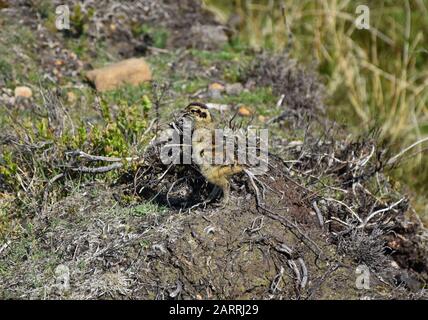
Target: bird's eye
[203,115]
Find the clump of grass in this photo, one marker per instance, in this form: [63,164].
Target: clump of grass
[363,247]
[16,66]
[301,89]
[79,20]
[6,72]
[155,36]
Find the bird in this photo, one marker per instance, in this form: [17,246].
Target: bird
[205,151]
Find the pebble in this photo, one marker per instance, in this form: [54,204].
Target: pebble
[215,89]
[244,111]
[71,97]
[24,92]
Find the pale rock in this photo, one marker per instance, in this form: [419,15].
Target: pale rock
[62,274]
[244,111]
[71,97]
[216,86]
[131,71]
[23,92]
[215,89]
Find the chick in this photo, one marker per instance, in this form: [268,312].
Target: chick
[205,151]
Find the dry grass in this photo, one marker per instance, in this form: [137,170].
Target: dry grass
[375,78]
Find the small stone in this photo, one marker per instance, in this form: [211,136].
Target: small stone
[24,92]
[215,89]
[216,86]
[234,89]
[62,274]
[131,71]
[71,97]
[244,111]
[262,118]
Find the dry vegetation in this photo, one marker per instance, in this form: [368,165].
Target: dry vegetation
[375,78]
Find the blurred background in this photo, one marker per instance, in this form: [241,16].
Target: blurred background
[376,78]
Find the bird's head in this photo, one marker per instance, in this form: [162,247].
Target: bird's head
[200,114]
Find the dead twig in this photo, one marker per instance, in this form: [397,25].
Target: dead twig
[276,280]
[5,246]
[103,169]
[394,159]
[84,155]
[346,206]
[373,214]
[304,270]
[300,234]
[319,214]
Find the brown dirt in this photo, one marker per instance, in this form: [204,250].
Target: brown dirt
[231,253]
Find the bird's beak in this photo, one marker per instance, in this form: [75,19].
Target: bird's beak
[185,114]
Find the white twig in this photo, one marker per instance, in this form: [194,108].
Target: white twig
[81,154]
[292,264]
[364,161]
[3,247]
[394,158]
[304,273]
[113,166]
[280,101]
[340,221]
[319,214]
[347,207]
[275,283]
[370,216]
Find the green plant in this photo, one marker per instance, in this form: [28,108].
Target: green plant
[6,71]
[148,208]
[159,36]
[79,20]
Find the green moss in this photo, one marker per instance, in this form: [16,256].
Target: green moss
[190,86]
[44,8]
[148,208]
[129,95]
[260,99]
[158,35]
[6,72]
[211,56]
[12,66]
